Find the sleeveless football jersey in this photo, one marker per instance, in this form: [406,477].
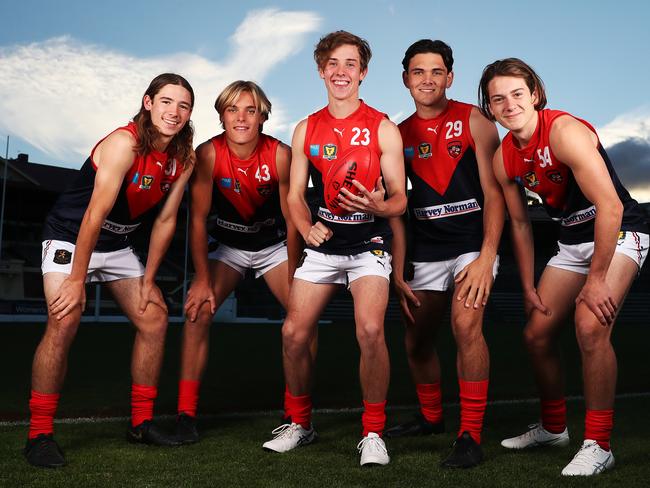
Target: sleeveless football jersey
[145,185]
[246,211]
[445,205]
[538,169]
[327,139]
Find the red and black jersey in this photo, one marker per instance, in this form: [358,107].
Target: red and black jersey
[326,139]
[144,186]
[536,167]
[246,212]
[445,205]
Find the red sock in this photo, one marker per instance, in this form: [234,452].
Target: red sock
[554,415]
[188,396]
[142,398]
[298,408]
[598,426]
[430,401]
[373,418]
[473,399]
[42,407]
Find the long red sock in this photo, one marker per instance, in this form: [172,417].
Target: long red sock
[373,418]
[142,397]
[598,426]
[554,415]
[188,396]
[298,408]
[430,397]
[473,399]
[42,407]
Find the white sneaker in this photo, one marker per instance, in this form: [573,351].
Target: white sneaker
[537,436]
[290,436]
[373,450]
[590,459]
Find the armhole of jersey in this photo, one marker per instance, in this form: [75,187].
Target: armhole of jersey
[506,165]
[308,129]
[472,143]
[214,164]
[378,123]
[92,153]
[275,146]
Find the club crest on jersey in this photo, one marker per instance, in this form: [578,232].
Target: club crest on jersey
[329,151]
[145,183]
[62,256]
[379,253]
[225,182]
[265,190]
[314,149]
[555,176]
[237,186]
[165,186]
[454,148]
[409,152]
[424,150]
[621,237]
[531,179]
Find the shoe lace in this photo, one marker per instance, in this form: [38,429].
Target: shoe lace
[285,430]
[373,443]
[533,429]
[584,456]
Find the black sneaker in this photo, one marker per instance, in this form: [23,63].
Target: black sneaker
[418,426]
[43,451]
[149,433]
[465,453]
[186,431]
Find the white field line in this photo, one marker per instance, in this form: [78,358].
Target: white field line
[278,413]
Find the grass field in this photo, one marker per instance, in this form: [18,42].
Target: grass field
[242,393]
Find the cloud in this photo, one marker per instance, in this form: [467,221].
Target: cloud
[61,95]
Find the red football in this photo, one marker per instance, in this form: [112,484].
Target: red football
[358,163]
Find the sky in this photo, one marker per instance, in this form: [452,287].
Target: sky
[71,71]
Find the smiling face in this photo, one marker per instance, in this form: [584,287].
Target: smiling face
[342,73]
[427,79]
[170,109]
[242,120]
[512,103]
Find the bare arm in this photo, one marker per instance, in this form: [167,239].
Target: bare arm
[476,279]
[295,243]
[200,202]
[113,157]
[574,144]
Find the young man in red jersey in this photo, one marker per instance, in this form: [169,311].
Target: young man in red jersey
[456,215]
[239,187]
[341,251]
[86,239]
[603,244]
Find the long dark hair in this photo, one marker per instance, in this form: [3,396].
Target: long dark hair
[180,147]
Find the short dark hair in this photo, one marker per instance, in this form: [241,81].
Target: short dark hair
[334,40]
[428,46]
[516,68]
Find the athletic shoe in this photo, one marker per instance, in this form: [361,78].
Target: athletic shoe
[290,436]
[186,431]
[537,436]
[373,450]
[149,433]
[590,459]
[465,453]
[44,452]
[418,426]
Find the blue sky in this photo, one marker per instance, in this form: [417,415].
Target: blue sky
[71,71]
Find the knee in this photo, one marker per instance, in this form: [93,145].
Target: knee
[536,339]
[591,335]
[294,336]
[370,335]
[62,332]
[467,331]
[152,323]
[420,345]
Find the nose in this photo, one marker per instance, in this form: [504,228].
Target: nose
[509,104]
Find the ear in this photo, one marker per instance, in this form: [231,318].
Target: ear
[363,74]
[450,79]
[321,73]
[534,97]
[405,77]
[147,102]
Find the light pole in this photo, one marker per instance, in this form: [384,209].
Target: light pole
[4,190]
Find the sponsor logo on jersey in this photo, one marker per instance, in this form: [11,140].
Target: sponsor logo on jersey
[434,129]
[377,240]
[353,218]
[531,160]
[578,217]
[329,151]
[225,182]
[265,190]
[339,131]
[447,210]
[237,186]
[146,182]
[242,170]
[116,228]
[531,179]
[424,150]
[555,176]
[165,186]
[62,256]
[314,149]
[454,148]
[136,178]
[409,152]
[246,229]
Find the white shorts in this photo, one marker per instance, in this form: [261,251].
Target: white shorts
[258,261]
[439,275]
[103,266]
[317,267]
[577,257]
